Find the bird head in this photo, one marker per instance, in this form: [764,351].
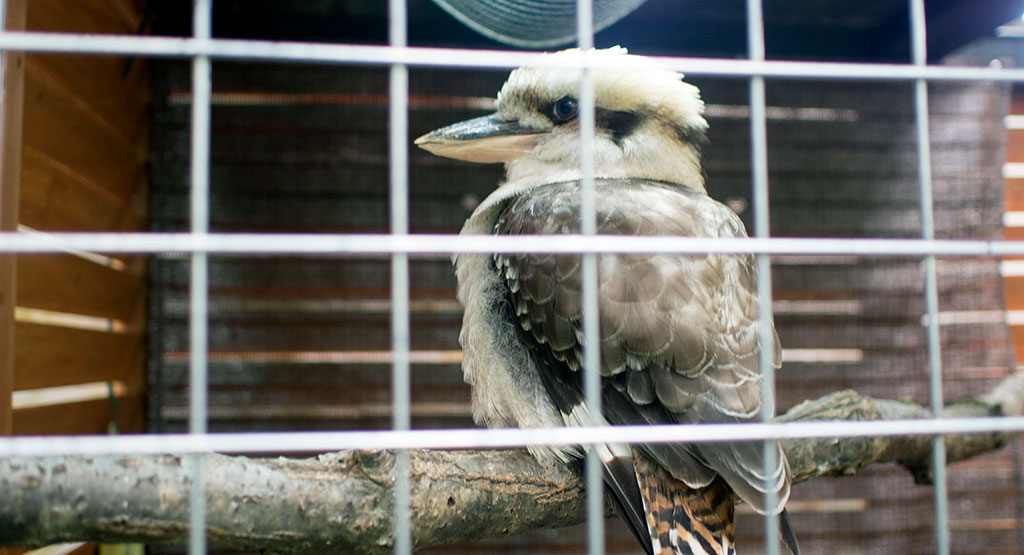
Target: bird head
[649,124]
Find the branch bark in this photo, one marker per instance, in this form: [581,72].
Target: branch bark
[342,502]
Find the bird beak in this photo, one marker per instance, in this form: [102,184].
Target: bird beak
[486,139]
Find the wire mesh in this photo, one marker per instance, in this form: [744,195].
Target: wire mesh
[201,49]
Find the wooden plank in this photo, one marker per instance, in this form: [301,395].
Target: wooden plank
[1014,233]
[1014,194]
[99,82]
[98,90]
[56,198]
[1014,292]
[1016,103]
[63,131]
[83,16]
[49,356]
[91,417]
[67,283]
[10,184]
[1015,145]
[1014,200]
[1017,332]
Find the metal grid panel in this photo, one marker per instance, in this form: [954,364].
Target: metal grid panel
[201,49]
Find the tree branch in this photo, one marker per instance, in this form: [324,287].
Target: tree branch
[343,503]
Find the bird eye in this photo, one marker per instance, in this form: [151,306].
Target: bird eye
[565,109]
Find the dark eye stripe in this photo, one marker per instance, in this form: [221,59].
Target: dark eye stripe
[619,124]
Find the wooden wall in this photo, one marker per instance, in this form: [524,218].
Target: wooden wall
[80,317]
[1013,268]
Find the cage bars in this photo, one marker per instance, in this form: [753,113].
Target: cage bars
[918,39]
[468,438]
[762,229]
[202,14]
[271,51]
[436,244]
[589,282]
[199,244]
[398,145]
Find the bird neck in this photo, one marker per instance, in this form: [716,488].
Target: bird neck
[640,156]
[637,157]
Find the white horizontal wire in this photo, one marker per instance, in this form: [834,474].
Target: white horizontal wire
[257,50]
[312,244]
[319,442]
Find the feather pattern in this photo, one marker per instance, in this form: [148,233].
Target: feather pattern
[678,344]
[678,333]
[686,520]
[679,330]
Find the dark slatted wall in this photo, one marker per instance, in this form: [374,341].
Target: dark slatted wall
[300,343]
[843,163]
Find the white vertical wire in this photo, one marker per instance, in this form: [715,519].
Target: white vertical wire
[199,292]
[200,216]
[589,286]
[765,335]
[398,119]
[919,50]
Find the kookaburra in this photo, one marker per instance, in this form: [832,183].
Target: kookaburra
[678,333]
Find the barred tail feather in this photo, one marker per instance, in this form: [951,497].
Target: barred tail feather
[683,520]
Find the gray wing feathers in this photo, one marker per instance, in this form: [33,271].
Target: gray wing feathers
[742,466]
[681,327]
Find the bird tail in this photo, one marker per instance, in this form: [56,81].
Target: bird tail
[682,520]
